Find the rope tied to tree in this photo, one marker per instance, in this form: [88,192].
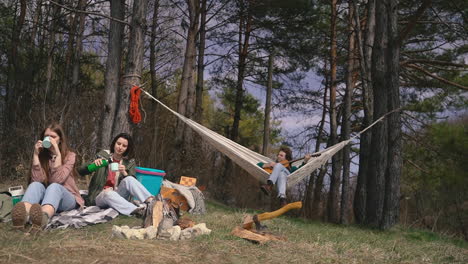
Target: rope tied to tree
[134,111]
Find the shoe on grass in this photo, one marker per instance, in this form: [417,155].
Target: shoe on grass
[19,216]
[39,219]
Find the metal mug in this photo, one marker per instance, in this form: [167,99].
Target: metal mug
[114,166]
[46,142]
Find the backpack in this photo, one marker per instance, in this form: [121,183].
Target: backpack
[6,205]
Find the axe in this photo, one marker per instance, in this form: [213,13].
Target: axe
[249,220]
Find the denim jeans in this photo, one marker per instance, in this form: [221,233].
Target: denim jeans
[279,176]
[118,200]
[55,195]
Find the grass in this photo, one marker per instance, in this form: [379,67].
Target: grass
[308,242]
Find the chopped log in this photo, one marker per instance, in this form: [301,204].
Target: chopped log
[254,236]
[157,214]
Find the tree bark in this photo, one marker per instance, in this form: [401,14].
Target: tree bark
[50,57]
[186,98]
[201,64]
[266,123]
[244,31]
[365,54]
[12,89]
[154,88]
[133,66]
[318,186]
[379,142]
[112,75]
[78,50]
[393,173]
[346,123]
[333,198]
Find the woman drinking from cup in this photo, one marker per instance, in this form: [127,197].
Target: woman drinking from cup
[52,185]
[114,184]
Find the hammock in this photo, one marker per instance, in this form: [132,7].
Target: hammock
[248,159]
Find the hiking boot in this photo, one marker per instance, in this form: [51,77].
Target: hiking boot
[283,202]
[19,215]
[266,189]
[39,219]
[139,212]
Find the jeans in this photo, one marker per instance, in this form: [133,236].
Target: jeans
[279,176]
[55,195]
[118,200]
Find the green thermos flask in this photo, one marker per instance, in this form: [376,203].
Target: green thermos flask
[93,167]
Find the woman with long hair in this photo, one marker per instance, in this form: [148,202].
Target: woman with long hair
[114,188]
[52,186]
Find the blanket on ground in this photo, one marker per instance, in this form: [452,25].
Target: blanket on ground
[82,217]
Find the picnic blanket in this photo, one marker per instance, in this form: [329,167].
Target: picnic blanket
[194,196]
[78,218]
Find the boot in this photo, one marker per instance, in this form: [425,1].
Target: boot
[19,216]
[267,188]
[39,219]
[283,202]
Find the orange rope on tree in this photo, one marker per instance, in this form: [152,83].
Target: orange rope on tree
[134,99]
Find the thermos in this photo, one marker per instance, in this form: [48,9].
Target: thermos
[93,167]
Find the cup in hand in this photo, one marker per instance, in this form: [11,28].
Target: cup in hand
[114,166]
[46,142]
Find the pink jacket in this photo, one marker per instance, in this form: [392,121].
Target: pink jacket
[62,175]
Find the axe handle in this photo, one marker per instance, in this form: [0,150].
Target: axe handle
[274,214]
[282,210]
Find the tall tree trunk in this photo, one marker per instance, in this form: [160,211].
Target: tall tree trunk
[201,64]
[379,142]
[112,75]
[266,123]
[333,198]
[154,87]
[393,172]
[78,50]
[133,67]
[245,28]
[12,89]
[365,53]
[187,88]
[315,211]
[72,35]
[346,123]
[50,56]
[35,25]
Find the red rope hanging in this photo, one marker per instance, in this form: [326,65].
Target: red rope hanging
[133,110]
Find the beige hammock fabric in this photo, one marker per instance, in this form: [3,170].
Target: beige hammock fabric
[248,159]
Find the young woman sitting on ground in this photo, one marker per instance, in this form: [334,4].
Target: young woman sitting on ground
[52,185]
[113,189]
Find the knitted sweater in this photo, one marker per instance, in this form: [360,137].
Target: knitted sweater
[62,175]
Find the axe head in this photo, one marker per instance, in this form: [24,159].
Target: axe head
[249,220]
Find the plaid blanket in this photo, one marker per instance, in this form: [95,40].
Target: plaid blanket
[82,217]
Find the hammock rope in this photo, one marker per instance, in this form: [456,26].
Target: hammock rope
[248,159]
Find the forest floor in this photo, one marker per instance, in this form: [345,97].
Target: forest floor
[307,242]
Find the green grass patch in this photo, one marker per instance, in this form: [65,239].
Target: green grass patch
[307,242]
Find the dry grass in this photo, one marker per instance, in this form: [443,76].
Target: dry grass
[308,242]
